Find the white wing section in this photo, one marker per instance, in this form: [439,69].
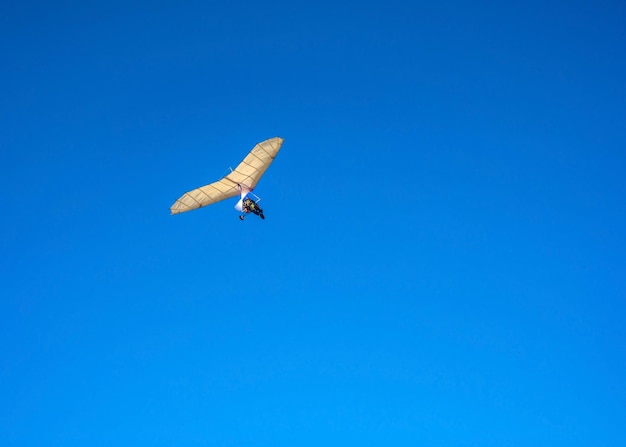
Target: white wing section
[243,178]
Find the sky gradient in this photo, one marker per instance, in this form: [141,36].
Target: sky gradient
[443,259]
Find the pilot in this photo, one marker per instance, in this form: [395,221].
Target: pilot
[248,205]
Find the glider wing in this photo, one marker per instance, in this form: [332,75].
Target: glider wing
[240,181]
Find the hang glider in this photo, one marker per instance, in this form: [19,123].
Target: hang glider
[240,182]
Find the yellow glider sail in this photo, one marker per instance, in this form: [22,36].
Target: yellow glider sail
[242,179]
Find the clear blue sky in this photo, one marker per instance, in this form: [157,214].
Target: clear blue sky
[443,259]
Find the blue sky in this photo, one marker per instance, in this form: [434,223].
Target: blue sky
[442,261]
